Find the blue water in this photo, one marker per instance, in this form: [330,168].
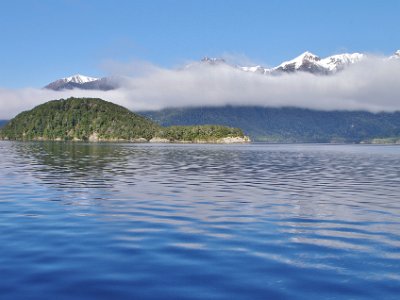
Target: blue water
[126,221]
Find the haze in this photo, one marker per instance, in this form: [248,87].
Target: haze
[372,85]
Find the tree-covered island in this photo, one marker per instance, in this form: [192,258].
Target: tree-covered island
[90,119]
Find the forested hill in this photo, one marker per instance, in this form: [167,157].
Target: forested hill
[77,118]
[98,120]
[289,124]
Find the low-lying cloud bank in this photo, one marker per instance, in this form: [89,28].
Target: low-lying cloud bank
[373,85]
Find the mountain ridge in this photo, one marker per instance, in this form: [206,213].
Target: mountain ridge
[305,62]
[82,82]
[288,124]
[309,62]
[285,124]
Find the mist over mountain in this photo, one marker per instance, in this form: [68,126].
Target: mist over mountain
[341,98]
[288,124]
[347,82]
[306,62]
[83,82]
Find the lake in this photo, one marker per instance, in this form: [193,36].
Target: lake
[144,221]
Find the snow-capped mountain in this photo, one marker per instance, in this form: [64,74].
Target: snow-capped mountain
[309,62]
[338,62]
[82,82]
[79,79]
[395,55]
[306,62]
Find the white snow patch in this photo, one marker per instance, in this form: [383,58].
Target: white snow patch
[79,79]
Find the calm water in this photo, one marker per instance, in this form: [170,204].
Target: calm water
[124,221]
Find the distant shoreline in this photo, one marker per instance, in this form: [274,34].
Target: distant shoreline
[250,142]
[225,140]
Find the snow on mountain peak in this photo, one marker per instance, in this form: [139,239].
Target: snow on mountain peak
[298,62]
[75,81]
[397,54]
[305,62]
[339,61]
[79,79]
[307,55]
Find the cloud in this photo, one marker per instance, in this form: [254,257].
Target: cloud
[372,85]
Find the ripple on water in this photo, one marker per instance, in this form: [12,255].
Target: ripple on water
[199,221]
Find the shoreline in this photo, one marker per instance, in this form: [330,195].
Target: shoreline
[224,140]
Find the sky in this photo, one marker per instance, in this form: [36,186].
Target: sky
[43,40]
[149,41]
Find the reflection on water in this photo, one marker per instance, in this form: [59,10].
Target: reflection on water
[199,221]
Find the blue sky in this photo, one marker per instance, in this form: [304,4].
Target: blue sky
[44,40]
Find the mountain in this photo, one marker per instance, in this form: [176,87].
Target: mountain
[3,122]
[309,62]
[338,62]
[395,55]
[82,82]
[306,62]
[288,124]
[103,84]
[89,119]
[70,82]
[82,118]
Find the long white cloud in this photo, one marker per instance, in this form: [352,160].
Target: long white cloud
[372,85]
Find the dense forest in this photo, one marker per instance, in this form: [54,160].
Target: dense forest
[86,118]
[199,132]
[96,119]
[266,124]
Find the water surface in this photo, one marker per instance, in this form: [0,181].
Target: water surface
[131,221]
